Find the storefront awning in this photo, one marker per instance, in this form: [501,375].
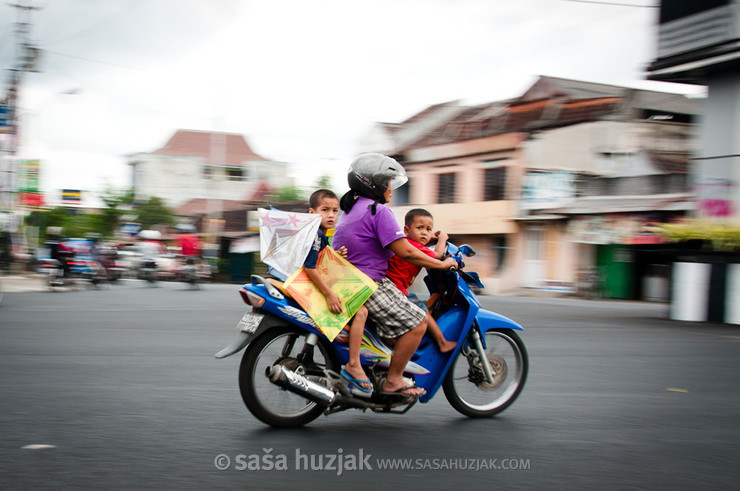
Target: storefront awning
[592,205]
[539,218]
[629,230]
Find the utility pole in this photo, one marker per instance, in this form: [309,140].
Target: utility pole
[25,60]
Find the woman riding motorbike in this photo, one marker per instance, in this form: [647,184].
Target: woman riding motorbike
[372,235]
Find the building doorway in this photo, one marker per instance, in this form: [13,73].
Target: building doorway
[534,258]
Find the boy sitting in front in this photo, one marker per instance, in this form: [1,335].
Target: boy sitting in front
[418,228]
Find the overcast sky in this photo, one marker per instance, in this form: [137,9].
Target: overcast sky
[301,80]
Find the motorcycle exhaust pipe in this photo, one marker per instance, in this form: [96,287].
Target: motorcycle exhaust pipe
[288,379]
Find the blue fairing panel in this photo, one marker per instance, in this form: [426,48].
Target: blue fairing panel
[491,320]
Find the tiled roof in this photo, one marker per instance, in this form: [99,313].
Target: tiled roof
[229,149]
[428,111]
[586,109]
[520,117]
[550,103]
[563,88]
[420,124]
[391,127]
[262,193]
[493,119]
[453,129]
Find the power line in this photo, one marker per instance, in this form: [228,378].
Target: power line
[614,3]
[99,25]
[93,61]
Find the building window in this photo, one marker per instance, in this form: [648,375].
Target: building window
[653,115]
[499,248]
[235,173]
[678,10]
[494,184]
[446,191]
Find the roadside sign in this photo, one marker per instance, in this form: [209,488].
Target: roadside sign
[129,229]
[3,116]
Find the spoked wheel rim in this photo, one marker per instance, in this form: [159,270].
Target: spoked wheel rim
[267,400]
[508,359]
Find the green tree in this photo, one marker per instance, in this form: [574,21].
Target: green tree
[154,212]
[77,223]
[288,193]
[324,182]
[115,204]
[74,223]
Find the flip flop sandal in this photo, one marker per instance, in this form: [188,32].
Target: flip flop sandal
[399,392]
[355,384]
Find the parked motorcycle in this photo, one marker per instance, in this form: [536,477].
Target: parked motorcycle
[289,371]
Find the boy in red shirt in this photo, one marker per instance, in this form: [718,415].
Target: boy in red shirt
[418,228]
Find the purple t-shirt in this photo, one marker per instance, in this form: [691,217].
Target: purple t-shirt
[366,237]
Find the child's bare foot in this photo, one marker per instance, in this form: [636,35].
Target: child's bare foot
[446,346]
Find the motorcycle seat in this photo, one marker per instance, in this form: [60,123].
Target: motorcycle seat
[279,285]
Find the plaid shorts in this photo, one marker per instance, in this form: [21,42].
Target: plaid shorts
[393,313]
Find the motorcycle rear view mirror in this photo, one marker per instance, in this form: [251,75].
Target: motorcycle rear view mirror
[467,250]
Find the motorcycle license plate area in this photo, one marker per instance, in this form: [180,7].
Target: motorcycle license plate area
[249,322]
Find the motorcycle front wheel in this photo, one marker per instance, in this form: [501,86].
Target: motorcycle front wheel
[270,403]
[468,391]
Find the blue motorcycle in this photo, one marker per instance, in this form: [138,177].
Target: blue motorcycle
[289,372]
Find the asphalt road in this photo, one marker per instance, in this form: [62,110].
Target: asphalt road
[118,389]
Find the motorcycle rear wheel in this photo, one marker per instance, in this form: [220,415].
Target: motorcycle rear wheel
[270,403]
[478,398]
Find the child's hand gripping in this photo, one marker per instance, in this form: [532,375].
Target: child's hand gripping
[334,303]
[441,236]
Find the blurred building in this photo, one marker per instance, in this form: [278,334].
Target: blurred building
[208,165]
[699,43]
[560,180]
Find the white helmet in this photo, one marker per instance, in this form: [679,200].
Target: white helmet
[371,174]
